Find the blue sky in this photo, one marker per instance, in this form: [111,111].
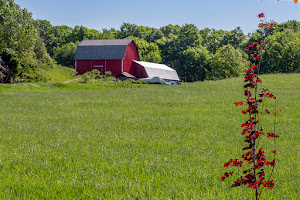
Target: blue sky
[217,14]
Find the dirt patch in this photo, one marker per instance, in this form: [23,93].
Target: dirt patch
[71,80]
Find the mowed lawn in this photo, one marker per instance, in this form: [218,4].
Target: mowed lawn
[75,141]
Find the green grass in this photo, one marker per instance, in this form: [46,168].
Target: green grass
[83,141]
[59,74]
[75,86]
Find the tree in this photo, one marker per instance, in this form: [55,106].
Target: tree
[293,25]
[11,61]
[57,36]
[149,34]
[282,52]
[170,29]
[80,33]
[126,30]
[43,26]
[148,51]
[19,34]
[108,34]
[186,37]
[227,62]
[169,50]
[143,32]
[17,31]
[234,37]
[214,39]
[64,55]
[193,64]
[291,57]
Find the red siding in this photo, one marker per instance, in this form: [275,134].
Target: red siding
[139,71]
[114,66]
[132,53]
[83,66]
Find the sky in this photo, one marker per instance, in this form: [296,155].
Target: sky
[217,14]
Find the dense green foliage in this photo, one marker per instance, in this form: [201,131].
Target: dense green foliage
[282,52]
[148,51]
[195,54]
[227,62]
[64,54]
[83,141]
[194,63]
[19,35]
[11,66]
[108,81]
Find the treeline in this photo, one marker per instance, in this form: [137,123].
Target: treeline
[195,54]
[21,47]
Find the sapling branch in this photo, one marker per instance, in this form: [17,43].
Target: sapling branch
[255,176]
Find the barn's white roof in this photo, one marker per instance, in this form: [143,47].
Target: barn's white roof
[159,70]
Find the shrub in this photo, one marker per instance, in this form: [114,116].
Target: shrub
[107,80]
[227,62]
[91,76]
[6,76]
[11,61]
[36,75]
[95,76]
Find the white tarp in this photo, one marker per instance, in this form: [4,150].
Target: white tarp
[155,80]
[159,70]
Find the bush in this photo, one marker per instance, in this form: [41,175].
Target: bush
[6,76]
[11,61]
[35,75]
[91,76]
[227,62]
[107,80]
[96,76]
[64,55]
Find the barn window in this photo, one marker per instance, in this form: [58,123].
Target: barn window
[98,65]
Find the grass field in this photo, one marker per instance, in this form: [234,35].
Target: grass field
[76,141]
[59,74]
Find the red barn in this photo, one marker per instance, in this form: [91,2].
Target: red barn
[121,57]
[106,55]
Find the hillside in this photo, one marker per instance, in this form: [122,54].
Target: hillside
[78,141]
[58,74]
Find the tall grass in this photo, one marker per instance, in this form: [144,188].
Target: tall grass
[59,74]
[153,142]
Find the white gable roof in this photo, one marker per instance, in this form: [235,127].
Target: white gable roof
[159,70]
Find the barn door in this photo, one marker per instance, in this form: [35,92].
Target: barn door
[100,68]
